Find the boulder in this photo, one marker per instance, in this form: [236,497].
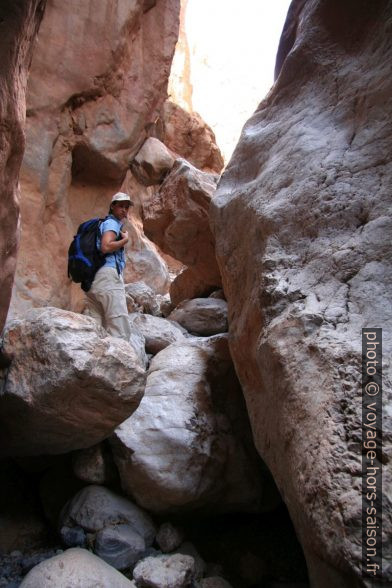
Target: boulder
[189,284]
[69,384]
[94,465]
[95,508]
[187,548]
[302,225]
[166,571]
[143,260]
[169,537]
[141,298]
[188,445]
[120,546]
[158,332]
[202,316]
[16,46]
[72,569]
[176,219]
[188,135]
[152,162]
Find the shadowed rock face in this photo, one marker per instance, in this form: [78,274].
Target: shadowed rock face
[19,20]
[303,229]
[98,80]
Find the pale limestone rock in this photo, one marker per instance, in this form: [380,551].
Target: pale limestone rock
[143,260]
[152,162]
[92,93]
[202,316]
[16,47]
[176,219]
[303,230]
[95,508]
[72,569]
[69,384]
[188,445]
[190,137]
[141,298]
[158,332]
[166,571]
[187,548]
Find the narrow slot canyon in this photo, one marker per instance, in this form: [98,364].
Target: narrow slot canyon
[232,436]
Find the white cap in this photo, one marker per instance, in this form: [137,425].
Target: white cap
[121,197]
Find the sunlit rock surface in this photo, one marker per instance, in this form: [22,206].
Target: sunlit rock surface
[74,568]
[98,81]
[303,231]
[20,22]
[69,384]
[188,445]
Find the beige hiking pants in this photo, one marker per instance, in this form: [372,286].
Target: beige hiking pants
[106,303]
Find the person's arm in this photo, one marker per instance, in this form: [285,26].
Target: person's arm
[109,243]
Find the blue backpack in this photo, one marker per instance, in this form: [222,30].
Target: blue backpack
[84,257]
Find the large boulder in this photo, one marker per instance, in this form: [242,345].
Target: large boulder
[119,530]
[69,384]
[72,569]
[20,22]
[98,80]
[152,163]
[176,219]
[303,229]
[187,134]
[158,332]
[143,261]
[188,445]
[202,316]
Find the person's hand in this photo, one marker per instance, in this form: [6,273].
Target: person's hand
[124,235]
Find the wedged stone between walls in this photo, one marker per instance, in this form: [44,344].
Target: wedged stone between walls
[20,23]
[188,446]
[303,228]
[92,98]
[176,219]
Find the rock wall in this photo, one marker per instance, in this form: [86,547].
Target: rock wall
[20,20]
[303,229]
[98,81]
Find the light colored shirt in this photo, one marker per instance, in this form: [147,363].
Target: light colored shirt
[113,224]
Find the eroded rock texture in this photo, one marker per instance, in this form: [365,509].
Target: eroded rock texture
[98,81]
[176,219]
[188,445]
[69,384]
[19,20]
[303,229]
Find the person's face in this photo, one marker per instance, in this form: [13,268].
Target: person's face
[120,210]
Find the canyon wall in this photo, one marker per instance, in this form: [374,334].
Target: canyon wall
[97,85]
[19,20]
[303,229]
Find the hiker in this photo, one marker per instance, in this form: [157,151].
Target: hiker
[106,298]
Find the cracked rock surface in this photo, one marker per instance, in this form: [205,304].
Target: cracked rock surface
[69,384]
[303,229]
